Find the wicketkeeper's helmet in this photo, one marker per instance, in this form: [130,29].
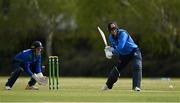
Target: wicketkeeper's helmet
[36,44]
[112,26]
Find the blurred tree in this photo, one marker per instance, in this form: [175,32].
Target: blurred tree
[68,28]
[5,8]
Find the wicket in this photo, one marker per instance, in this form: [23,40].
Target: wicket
[53,72]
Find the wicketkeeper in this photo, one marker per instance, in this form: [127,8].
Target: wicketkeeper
[123,46]
[28,61]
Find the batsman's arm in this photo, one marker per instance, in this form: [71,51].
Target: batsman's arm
[122,40]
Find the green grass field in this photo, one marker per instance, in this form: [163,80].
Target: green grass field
[89,90]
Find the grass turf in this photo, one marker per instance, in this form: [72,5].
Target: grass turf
[89,90]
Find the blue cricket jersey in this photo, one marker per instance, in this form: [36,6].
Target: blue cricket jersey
[26,57]
[122,44]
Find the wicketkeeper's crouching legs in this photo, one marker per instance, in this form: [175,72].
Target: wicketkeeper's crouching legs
[42,80]
[32,82]
[14,76]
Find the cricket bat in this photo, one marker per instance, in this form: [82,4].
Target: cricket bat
[103,36]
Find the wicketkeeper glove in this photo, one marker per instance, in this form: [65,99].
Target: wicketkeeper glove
[40,79]
[39,74]
[34,76]
[43,80]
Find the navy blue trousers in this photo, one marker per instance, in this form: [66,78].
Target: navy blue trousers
[136,58]
[18,68]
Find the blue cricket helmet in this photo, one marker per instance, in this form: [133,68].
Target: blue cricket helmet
[36,44]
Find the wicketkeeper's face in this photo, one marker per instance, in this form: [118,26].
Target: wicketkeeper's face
[37,51]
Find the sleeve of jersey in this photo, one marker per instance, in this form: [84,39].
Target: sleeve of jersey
[122,40]
[38,65]
[112,42]
[27,69]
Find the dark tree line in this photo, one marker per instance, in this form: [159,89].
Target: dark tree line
[68,28]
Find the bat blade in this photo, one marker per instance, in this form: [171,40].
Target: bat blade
[102,35]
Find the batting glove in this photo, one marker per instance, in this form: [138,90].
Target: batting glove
[108,48]
[108,52]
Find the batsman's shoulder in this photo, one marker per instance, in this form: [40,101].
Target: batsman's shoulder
[121,30]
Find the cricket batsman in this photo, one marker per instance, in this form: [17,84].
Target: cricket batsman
[28,61]
[123,46]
